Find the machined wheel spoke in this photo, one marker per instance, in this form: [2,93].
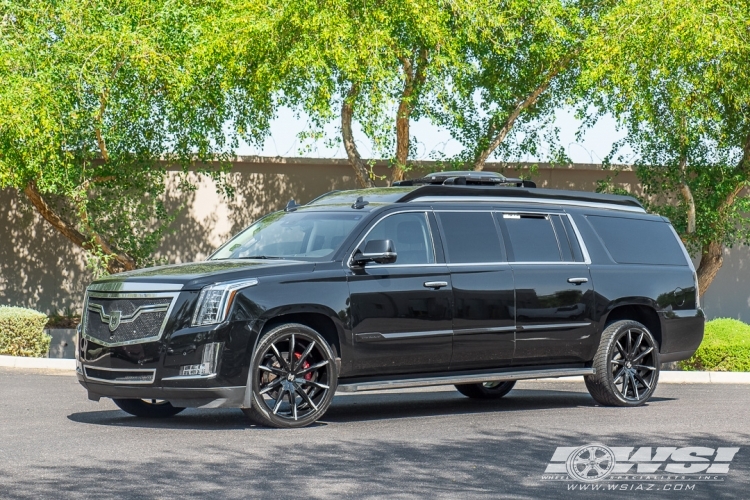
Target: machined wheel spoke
[619,362]
[293,402]
[637,344]
[635,385]
[306,397]
[642,355]
[619,374]
[271,369]
[270,386]
[314,384]
[644,367]
[291,353]
[625,380]
[621,349]
[279,400]
[305,354]
[642,381]
[312,367]
[280,358]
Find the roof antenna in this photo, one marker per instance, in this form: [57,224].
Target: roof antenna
[360,203]
[291,206]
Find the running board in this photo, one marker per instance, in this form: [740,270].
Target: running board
[462,379]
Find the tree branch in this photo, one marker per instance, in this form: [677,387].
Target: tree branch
[412,81]
[360,169]
[76,237]
[687,195]
[530,100]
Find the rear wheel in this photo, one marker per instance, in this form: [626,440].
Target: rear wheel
[626,365]
[293,377]
[486,390]
[148,408]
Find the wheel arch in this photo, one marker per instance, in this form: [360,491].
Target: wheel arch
[642,313]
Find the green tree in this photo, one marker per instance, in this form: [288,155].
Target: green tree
[518,62]
[97,100]
[675,75]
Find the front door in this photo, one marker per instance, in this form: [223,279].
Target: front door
[401,313]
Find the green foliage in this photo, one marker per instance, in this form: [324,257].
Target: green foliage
[22,332]
[675,75]
[725,348]
[98,100]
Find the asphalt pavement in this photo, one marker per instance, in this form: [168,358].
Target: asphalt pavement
[426,443]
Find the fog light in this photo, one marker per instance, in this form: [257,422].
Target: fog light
[209,362]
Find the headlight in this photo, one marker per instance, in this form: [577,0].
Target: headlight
[215,301]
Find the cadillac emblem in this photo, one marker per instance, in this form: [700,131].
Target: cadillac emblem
[114,320]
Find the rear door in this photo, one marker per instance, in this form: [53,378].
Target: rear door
[554,307]
[483,291]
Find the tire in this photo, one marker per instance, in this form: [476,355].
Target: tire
[487,390]
[626,365]
[148,408]
[291,390]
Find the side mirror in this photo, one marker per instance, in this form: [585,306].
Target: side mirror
[378,251]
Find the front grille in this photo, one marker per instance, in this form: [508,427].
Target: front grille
[114,376]
[112,319]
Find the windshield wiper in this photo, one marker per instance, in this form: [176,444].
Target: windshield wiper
[259,257]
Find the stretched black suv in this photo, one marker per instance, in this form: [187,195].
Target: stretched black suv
[459,278]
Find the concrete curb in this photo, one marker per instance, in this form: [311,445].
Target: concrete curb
[665,377]
[38,363]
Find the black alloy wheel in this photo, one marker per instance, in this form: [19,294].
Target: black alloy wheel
[626,365]
[148,408]
[486,390]
[293,377]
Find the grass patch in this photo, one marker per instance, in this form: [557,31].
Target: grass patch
[725,348]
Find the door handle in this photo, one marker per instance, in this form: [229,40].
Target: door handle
[435,285]
[578,281]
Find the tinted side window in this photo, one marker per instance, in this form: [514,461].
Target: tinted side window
[470,237]
[410,235]
[637,241]
[532,238]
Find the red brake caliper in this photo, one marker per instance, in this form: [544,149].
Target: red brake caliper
[305,365]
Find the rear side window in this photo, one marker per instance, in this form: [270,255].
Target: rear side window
[638,241]
[532,238]
[470,237]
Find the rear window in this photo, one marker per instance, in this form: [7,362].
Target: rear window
[637,241]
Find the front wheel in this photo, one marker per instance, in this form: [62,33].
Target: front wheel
[626,365]
[148,408]
[487,390]
[293,377]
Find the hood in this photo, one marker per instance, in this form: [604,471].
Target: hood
[196,275]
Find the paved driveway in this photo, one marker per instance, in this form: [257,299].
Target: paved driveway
[431,443]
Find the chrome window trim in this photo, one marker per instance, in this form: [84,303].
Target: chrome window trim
[502,201]
[121,370]
[134,286]
[581,243]
[350,262]
[116,295]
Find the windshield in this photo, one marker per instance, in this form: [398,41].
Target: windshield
[295,235]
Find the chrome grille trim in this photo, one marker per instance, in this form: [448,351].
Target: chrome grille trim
[96,309]
[150,373]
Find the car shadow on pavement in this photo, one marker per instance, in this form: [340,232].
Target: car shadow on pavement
[361,407]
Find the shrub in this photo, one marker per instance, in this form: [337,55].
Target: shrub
[725,348]
[22,332]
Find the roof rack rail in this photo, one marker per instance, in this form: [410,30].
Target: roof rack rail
[551,196]
[467,178]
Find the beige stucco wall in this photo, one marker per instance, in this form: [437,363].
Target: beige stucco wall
[41,269]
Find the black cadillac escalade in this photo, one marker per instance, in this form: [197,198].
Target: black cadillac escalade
[460,278]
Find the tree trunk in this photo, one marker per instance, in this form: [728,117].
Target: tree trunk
[360,169]
[712,257]
[119,262]
[413,80]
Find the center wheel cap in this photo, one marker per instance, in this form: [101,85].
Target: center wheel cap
[290,377]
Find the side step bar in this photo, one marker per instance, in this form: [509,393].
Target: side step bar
[462,379]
